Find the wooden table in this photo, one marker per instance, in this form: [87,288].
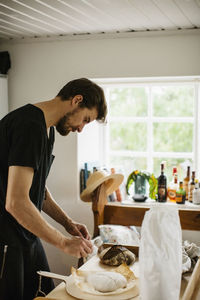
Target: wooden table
[60,293]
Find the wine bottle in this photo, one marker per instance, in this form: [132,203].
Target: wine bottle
[162,186]
[186,182]
[191,187]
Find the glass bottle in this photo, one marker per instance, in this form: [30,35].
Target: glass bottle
[186,181]
[191,187]
[173,186]
[196,193]
[162,186]
[180,194]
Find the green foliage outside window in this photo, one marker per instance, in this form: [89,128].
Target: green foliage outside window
[173,101]
[130,102]
[128,164]
[126,135]
[173,137]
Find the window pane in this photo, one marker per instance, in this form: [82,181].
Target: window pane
[128,136]
[173,137]
[180,163]
[129,164]
[176,101]
[128,102]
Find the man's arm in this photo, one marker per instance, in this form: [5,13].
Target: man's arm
[52,209]
[19,205]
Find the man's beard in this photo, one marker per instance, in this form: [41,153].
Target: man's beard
[63,124]
[62,127]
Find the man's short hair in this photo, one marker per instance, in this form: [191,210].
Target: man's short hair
[93,95]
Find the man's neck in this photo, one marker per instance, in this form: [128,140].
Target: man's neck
[53,110]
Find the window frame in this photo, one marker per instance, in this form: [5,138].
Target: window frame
[150,154]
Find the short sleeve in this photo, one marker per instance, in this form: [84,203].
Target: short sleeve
[26,145]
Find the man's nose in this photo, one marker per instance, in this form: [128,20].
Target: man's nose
[80,127]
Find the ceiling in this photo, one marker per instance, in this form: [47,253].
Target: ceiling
[22,19]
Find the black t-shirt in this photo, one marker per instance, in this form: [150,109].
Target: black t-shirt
[24,142]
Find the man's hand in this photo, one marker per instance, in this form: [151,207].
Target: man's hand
[77,229]
[77,246]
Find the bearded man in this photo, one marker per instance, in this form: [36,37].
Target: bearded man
[26,144]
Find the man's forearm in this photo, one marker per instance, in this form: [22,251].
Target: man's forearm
[52,209]
[31,219]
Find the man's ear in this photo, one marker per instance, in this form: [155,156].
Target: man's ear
[76,100]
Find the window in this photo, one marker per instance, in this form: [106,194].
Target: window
[150,121]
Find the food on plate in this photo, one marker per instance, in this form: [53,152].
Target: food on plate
[126,271]
[107,281]
[115,281]
[116,255]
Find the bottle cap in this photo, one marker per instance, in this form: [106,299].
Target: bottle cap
[164,163]
[174,170]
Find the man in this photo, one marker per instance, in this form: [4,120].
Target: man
[26,143]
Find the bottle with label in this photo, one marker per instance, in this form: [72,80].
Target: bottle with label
[196,193]
[173,186]
[162,186]
[186,181]
[180,194]
[191,187]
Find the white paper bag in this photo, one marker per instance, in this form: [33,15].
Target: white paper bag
[160,254]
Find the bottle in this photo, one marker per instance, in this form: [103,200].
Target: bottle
[186,182]
[162,186]
[196,193]
[191,187]
[173,186]
[180,194]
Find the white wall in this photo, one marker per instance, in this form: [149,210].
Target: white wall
[39,70]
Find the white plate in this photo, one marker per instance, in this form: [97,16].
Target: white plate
[75,291]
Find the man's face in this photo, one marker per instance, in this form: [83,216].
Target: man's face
[76,120]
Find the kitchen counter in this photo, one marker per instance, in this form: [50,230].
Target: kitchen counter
[93,264]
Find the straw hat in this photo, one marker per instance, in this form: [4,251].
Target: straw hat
[95,179]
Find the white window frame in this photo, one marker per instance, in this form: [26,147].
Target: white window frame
[135,82]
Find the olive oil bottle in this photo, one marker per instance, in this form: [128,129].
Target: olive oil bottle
[180,194]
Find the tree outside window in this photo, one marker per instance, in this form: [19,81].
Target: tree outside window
[152,122]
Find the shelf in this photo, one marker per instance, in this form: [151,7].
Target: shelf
[133,214]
